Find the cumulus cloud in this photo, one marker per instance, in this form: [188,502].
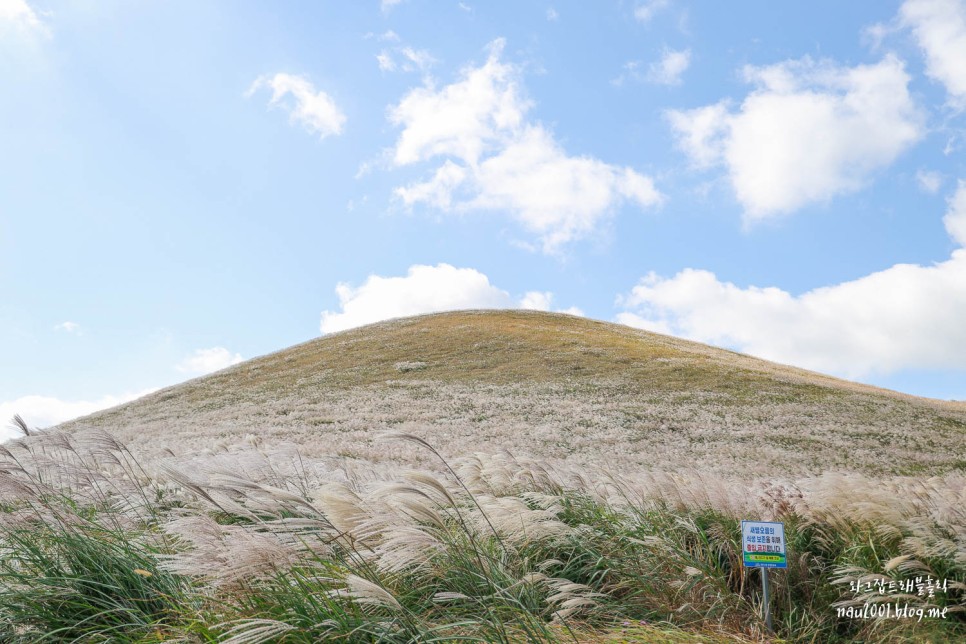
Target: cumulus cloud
[424,289]
[314,110]
[205,361]
[939,26]
[19,15]
[46,411]
[536,300]
[461,119]
[494,159]
[907,316]
[807,132]
[669,69]
[701,132]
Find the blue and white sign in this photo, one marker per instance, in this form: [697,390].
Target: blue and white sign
[763,544]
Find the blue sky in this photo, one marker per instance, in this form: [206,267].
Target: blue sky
[184,185]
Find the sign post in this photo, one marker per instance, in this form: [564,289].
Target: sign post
[763,546]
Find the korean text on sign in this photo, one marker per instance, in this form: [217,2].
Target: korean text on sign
[763,544]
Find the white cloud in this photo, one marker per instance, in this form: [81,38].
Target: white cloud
[702,132]
[204,361]
[929,181]
[666,71]
[542,301]
[669,69]
[314,110]
[461,119]
[536,300]
[806,133]
[552,15]
[875,34]
[644,12]
[410,59]
[939,27]
[418,59]
[557,196]
[68,327]
[496,160]
[955,218]
[19,15]
[46,411]
[424,289]
[386,63]
[905,317]
[438,191]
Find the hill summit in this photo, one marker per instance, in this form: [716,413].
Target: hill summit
[550,385]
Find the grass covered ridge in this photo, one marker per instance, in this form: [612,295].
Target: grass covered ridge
[554,386]
[264,545]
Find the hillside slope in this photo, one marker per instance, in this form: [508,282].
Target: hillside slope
[551,385]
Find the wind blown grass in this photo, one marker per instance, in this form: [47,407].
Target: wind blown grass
[262,545]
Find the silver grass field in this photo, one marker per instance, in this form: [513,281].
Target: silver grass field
[267,546]
[488,477]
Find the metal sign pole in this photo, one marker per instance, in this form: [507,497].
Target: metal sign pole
[765,607]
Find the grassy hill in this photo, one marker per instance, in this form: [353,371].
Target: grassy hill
[589,486]
[549,385]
